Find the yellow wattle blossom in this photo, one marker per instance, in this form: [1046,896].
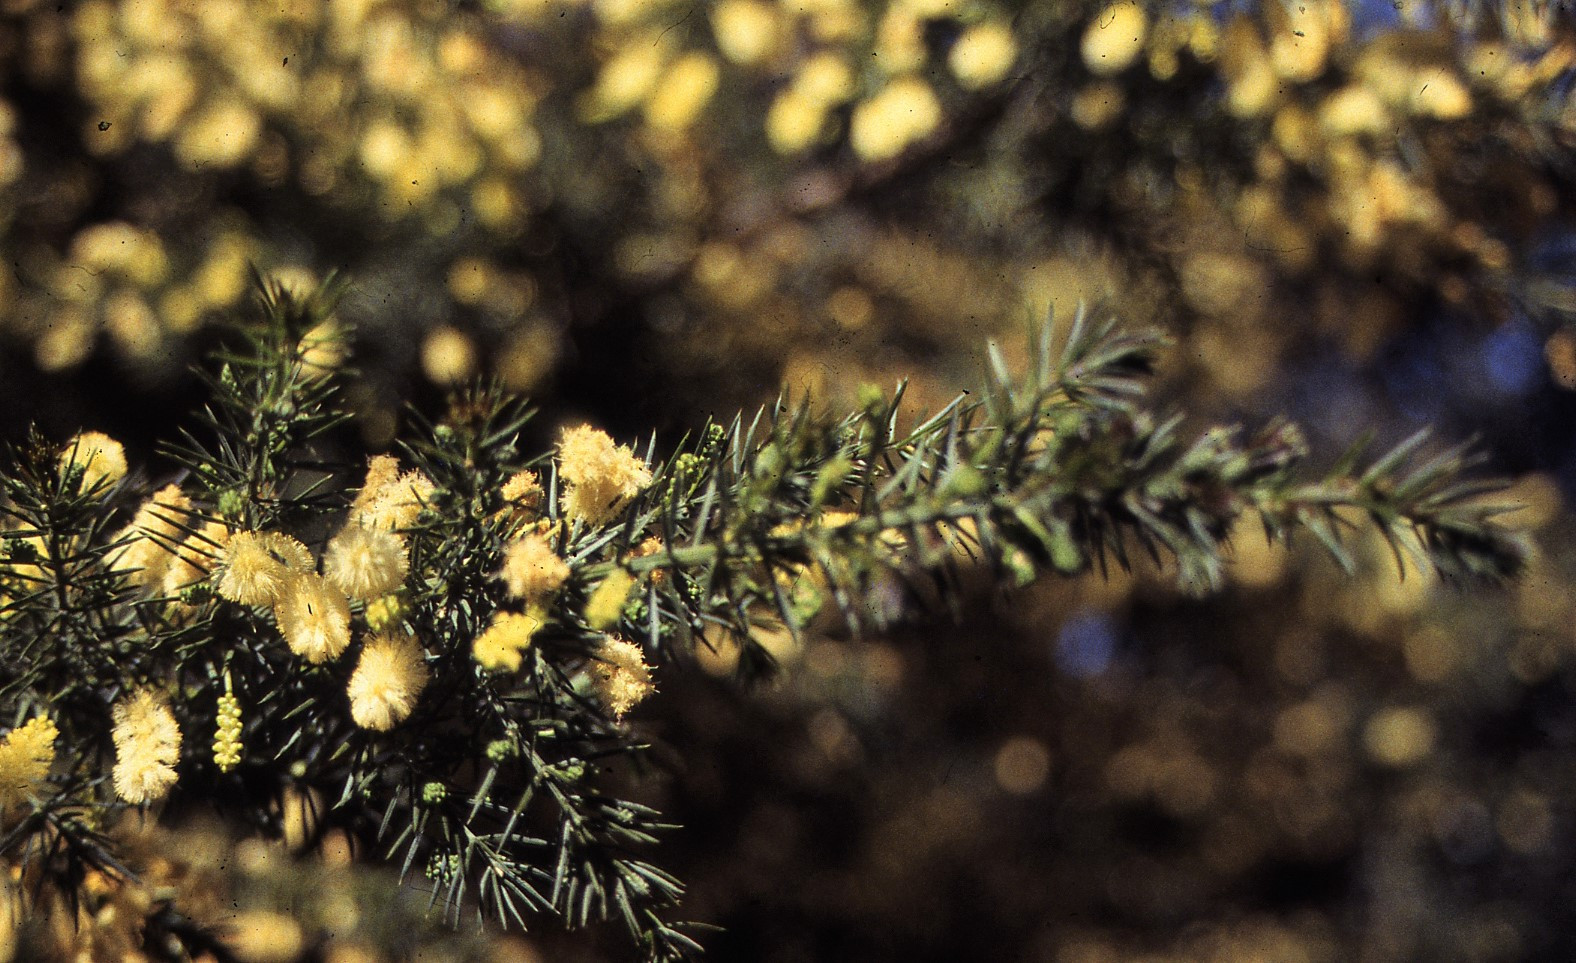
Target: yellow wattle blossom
[388,679]
[255,566]
[621,675]
[101,458]
[195,558]
[147,748]
[501,645]
[532,570]
[146,554]
[606,604]
[382,471]
[524,489]
[26,755]
[393,504]
[366,562]
[600,476]
[314,617]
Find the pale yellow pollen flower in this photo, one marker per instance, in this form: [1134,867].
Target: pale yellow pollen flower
[532,570]
[256,565]
[387,681]
[147,748]
[314,617]
[366,562]
[196,557]
[600,476]
[382,471]
[606,604]
[621,675]
[501,645]
[26,756]
[395,504]
[101,458]
[146,553]
[524,488]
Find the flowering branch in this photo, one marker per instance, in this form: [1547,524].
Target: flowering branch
[443,661]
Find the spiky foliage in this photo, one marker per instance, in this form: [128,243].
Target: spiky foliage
[497,780]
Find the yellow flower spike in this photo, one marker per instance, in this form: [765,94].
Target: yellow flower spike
[746,30]
[683,92]
[387,681]
[620,674]
[227,734]
[100,457]
[147,748]
[26,756]
[532,570]
[366,562]
[606,604]
[255,566]
[314,617]
[145,554]
[600,476]
[500,647]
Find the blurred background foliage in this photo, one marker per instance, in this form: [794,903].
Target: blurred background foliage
[642,211]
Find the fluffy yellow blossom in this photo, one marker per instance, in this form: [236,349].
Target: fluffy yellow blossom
[983,55]
[606,603]
[314,617]
[100,457]
[26,756]
[256,565]
[524,488]
[366,562]
[395,504]
[146,552]
[532,570]
[600,476]
[382,471]
[504,641]
[147,748]
[195,558]
[387,680]
[621,675]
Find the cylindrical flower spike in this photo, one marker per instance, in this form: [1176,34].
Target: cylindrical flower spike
[383,689]
[147,748]
[314,617]
[365,562]
[26,756]
[227,734]
[101,459]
